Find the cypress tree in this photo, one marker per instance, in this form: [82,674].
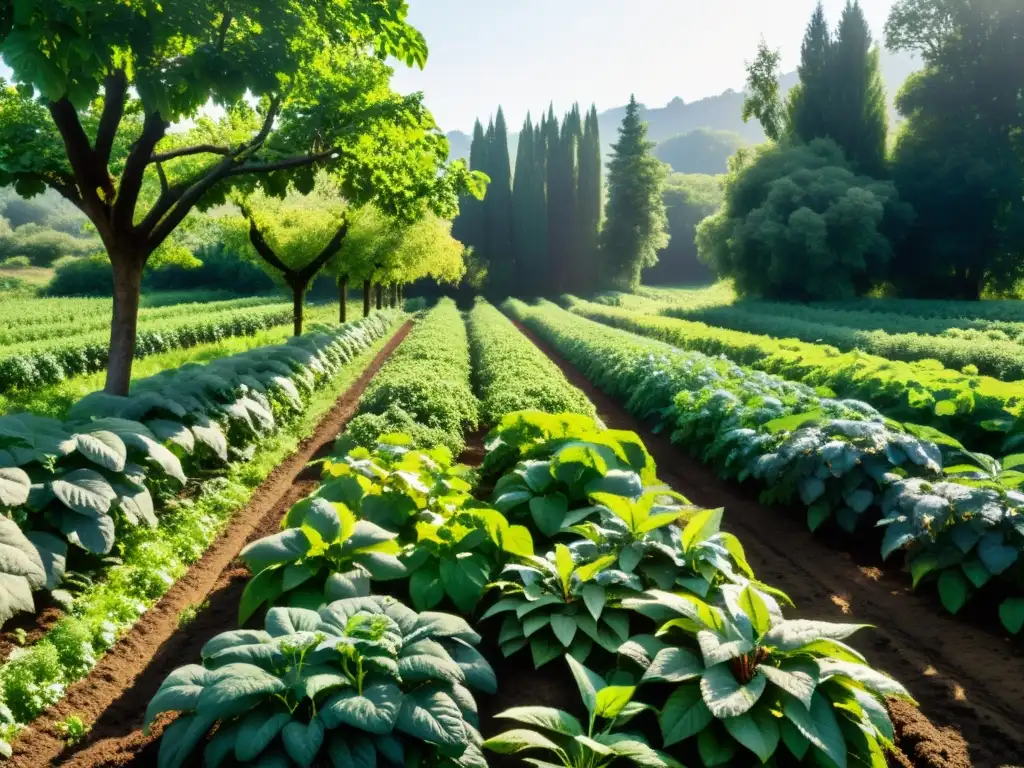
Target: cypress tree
[555,173]
[810,107]
[636,226]
[859,114]
[590,196]
[571,261]
[539,199]
[468,227]
[524,211]
[498,205]
[487,167]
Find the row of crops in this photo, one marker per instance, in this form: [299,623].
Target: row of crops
[69,349]
[579,557]
[953,516]
[980,411]
[140,478]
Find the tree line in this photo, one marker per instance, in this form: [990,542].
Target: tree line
[546,230]
[835,206]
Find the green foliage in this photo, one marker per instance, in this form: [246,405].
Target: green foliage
[564,736]
[41,246]
[977,410]
[841,459]
[763,100]
[511,374]
[689,199]
[498,209]
[529,213]
[635,228]
[428,378]
[700,151]
[364,675]
[798,223]
[957,159]
[73,729]
[103,471]
[734,666]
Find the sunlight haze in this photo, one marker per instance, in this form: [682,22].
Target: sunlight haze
[528,53]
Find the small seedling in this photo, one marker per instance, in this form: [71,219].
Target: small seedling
[73,729]
[20,636]
[189,612]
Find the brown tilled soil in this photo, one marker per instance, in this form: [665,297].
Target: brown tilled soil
[114,696]
[968,680]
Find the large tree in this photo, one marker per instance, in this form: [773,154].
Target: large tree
[689,199]
[959,159]
[635,227]
[524,209]
[591,196]
[810,101]
[498,208]
[101,83]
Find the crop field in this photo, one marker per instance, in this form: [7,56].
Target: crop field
[452,537]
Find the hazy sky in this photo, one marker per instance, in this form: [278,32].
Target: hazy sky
[526,53]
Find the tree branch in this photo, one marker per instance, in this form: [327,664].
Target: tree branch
[267,253]
[115,93]
[164,187]
[310,270]
[292,162]
[153,129]
[198,149]
[79,151]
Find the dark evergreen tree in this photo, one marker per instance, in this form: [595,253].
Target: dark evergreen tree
[498,207]
[468,227]
[539,197]
[810,100]
[858,109]
[635,228]
[524,212]
[555,179]
[487,167]
[590,194]
[572,268]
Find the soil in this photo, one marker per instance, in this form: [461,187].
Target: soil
[113,697]
[968,680]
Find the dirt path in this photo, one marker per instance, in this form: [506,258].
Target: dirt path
[967,680]
[114,696]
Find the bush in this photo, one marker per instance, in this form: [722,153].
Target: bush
[16,261]
[799,224]
[90,276]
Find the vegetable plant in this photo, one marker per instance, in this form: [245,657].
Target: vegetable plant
[363,680]
[568,742]
[556,606]
[733,674]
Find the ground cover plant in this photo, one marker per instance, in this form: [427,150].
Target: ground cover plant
[424,387]
[839,459]
[979,411]
[511,374]
[365,678]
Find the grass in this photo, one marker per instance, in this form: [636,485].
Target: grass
[36,277]
[55,400]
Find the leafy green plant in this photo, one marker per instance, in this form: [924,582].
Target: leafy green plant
[324,553]
[73,729]
[556,606]
[743,676]
[190,612]
[362,679]
[564,737]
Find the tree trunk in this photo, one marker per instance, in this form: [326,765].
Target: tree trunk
[127,270]
[298,293]
[380,296]
[401,294]
[342,297]
[366,298]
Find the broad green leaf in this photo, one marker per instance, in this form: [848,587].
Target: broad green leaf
[94,534]
[548,513]
[432,715]
[564,565]
[586,572]
[478,673]
[588,682]
[1011,613]
[871,679]
[236,689]
[465,579]
[727,697]
[14,487]
[549,718]
[756,731]
[543,650]
[594,598]
[701,526]
[85,491]
[954,589]
[798,677]
[519,739]
[564,628]
[103,448]
[178,692]
[284,547]
[255,732]
[180,738]
[302,741]
[792,634]
[819,726]
[425,587]
[638,752]
[753,605]
[714,749]
[611,699]
[673,665]
[426,661]
[684,715]
[375,711]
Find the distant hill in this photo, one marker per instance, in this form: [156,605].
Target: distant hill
[702,150]
[719,113]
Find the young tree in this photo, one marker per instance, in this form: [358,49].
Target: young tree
[113,77]
[635,227]
[763,99]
